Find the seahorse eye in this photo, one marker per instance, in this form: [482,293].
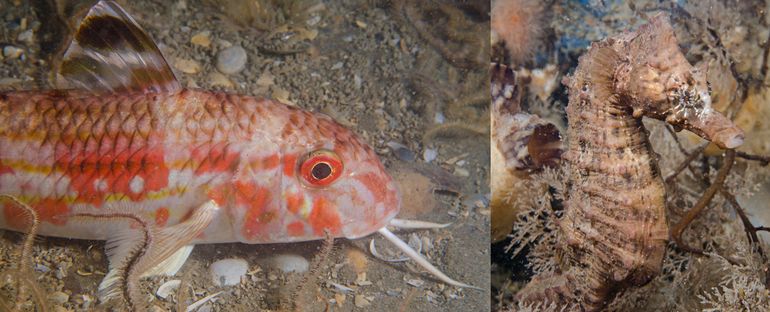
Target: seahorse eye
[321,168]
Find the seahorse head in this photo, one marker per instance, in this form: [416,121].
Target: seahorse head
[660,83]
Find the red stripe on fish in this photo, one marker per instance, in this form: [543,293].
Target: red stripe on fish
[134,173]
[255,199]
[379,186]
[161,216]
[52,210]
[376,186]
[296,229]
[294,202]
[289,164]
[219,195]
[324,217]
[270,162]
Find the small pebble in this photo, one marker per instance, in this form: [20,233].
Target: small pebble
[357,82]
[340,299]
[393,293]
[218,80]
[202,38]
[42,268]
[59,297]
[87,301]
[477,201]
[360,301]
[231,60]
[337,66]
[305,34]
[12,52]
[26,36]
[429,154]
[282,95]
[313,20]
[401,151]
[358,260]
[187,66]
[462,172]
[340,288]
[228,272]
[439,118]
[427,244]
[266,79]
[61,271]
[290,263]
[415,282]
[361,280]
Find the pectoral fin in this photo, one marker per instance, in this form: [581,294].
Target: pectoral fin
[169,240]
[110,52]
[172,264]
[136,248]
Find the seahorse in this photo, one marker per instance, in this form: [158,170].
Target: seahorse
[614,230]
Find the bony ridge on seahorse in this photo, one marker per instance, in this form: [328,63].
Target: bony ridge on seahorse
[120,145]
[614,230]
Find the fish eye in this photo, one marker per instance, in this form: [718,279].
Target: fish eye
[321,171]
[321,168]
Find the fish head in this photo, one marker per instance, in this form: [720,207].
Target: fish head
[337,183]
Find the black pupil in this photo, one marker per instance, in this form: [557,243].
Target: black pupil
[321,171]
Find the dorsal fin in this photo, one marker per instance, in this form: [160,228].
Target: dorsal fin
[111,53]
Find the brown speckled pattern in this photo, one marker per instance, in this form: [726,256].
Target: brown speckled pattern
[614,231]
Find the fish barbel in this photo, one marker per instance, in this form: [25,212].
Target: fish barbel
[120,146]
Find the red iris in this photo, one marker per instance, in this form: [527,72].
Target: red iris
[321,168]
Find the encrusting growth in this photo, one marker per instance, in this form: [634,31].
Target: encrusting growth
[614,230]
[521,144]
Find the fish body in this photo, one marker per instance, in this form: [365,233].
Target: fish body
[121,152]
[159,155]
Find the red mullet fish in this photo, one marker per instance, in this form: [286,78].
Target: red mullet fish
[121,145]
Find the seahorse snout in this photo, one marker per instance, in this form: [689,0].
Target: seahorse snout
[729,138]
[715,127]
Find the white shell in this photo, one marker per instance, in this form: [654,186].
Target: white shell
[228,272]
[290,263]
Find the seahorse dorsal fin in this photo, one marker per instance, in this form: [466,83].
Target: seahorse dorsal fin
[111,53]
